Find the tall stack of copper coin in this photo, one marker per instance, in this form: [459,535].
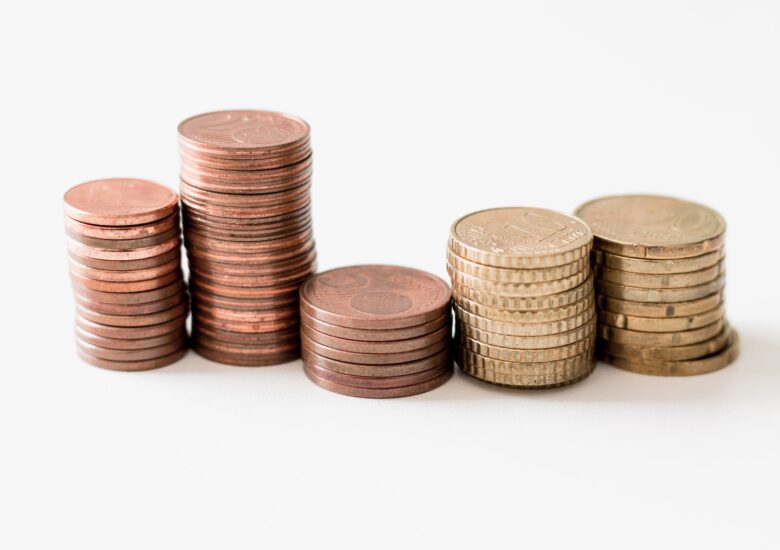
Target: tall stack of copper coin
[376,331]
[659,270]
[124,243]
[245,179]
[523,297]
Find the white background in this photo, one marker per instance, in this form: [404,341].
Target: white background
[420,113]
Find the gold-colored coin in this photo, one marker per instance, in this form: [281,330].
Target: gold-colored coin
[666,280]
[645,226]
[528,342]
[507,275]
[704,365]
[527,375]
[522,238]
[523,303]
[525,355]
[659,267]
[664,295]
[649,354]
[532,316]
[677,338]
[518,289]
[523,329]
[665,324]
[659,311]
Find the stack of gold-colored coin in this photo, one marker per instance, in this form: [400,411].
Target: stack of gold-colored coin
[659,270]
[523,297]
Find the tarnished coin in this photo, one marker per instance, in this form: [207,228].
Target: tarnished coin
[650,354]
[707,364]
[663,295]
[381,393]
[125,244]
[507,275]
[523,329]
[123,232]
[658,267]
[530,316]
[658,281]
[660,310]
[120,202]
[529,342]
[377,335]
[391,346]
[358,369]
[125,286]
[376,382]
[527,355]
[126,276]
[369,358]
[132,332]
[131,354]
[516,290]
[520,238]
[130,344]
[646,226]
[524,303]
[666,324]
[132,365]
[676,338]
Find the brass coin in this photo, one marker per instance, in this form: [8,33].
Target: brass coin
[529,342]
[707,364]
[507,275]
[130,344]
[125,244]
[645,226]
[666,324]
[527,303]
[676,338]
[523,238]
[524,329]
[658,267]
[515,290]
[369,358]
[132,332]
[660,310]
[376,382]
[391,346]
[125,276]
[526,355]
[663,295]
[655,281]
[125,286]
[131,354]
[650,354]
[376,335]
[132,365]
[79,249]
[382,393]
[531,316]
[126,232]
[358,369]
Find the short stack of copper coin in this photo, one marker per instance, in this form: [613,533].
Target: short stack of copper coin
[245,179]
[523,297]
[659,276]
[124,243]
[376,331]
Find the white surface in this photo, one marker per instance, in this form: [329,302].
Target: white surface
[419,114]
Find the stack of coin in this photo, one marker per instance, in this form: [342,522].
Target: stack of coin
[245,179]
[659,277]
[124,243]
[376,331]
[523,297]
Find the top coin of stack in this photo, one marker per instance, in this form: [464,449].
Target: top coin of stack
[376,331]
[124,243]
[659,270]
[523,299]
[245,179]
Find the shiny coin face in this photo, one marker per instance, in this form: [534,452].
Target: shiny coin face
[120,202]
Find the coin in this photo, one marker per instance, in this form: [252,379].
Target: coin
[274,324]
[128,344]
[126,276]
[377,382]
[127,265]
[646,226]
[527,316]
[663,295]
[659,267]
[128,298]
[376,335]
[660,281]
[523,329]
[123,232]
[528,342]
[245,356]
[526,355]
[524,303]
[254,339]
[125,244]
[131,332]
[660,310]
[676,338]
[131,354]
[433,361]
[517,290]
[124,286]
[667,324]
[405,391]
[83,250]
[134,319]
[133,365]
[390,346]
[506,275]
[648,354]
[119,202]
[368,358]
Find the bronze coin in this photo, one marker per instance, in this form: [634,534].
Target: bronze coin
[120,202]
[237,212]
[132,354]
[132,365]
[134,319]
[283,266]
[375,297]
[265,292]
[117,276]
[375,382]
[132,332]
[206,298]
[390,346]
[272,325]
[128,298]
[401,369]
[376,335]
[125,286]
[96,309]
[245,200]
[369,358]
[84,250]
[125,244]
[130,344]
[379,393]
[127,232]
[264,338]
[295,277]
[127,265]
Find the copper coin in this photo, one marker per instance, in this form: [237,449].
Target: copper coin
[266,159]
[131,332]
[127,265]
[374,382]
[131,355]
[84,250]
[281,231]
[246,316]
[264,338]
[125,244]
[248,164]
[272,325]
[376,335]
[237,212]
[247,181]
[96,309]
[132,365]
[128,298]
[134,319]
[401,369]
[236,354]
[295,277]
[120,202]
[125,286]
[390,346]
[256,258]
[201,297]
[369,358]
[130,344]
[126,232]
[257,223]
[124,276]
[297,262]
[260,200]
[375,297]
[250,247]
[254,293]
[379,393]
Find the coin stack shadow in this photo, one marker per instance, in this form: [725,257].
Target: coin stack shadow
[659,278]
[523,297]
[124,243]
[245,179]
[376,331]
